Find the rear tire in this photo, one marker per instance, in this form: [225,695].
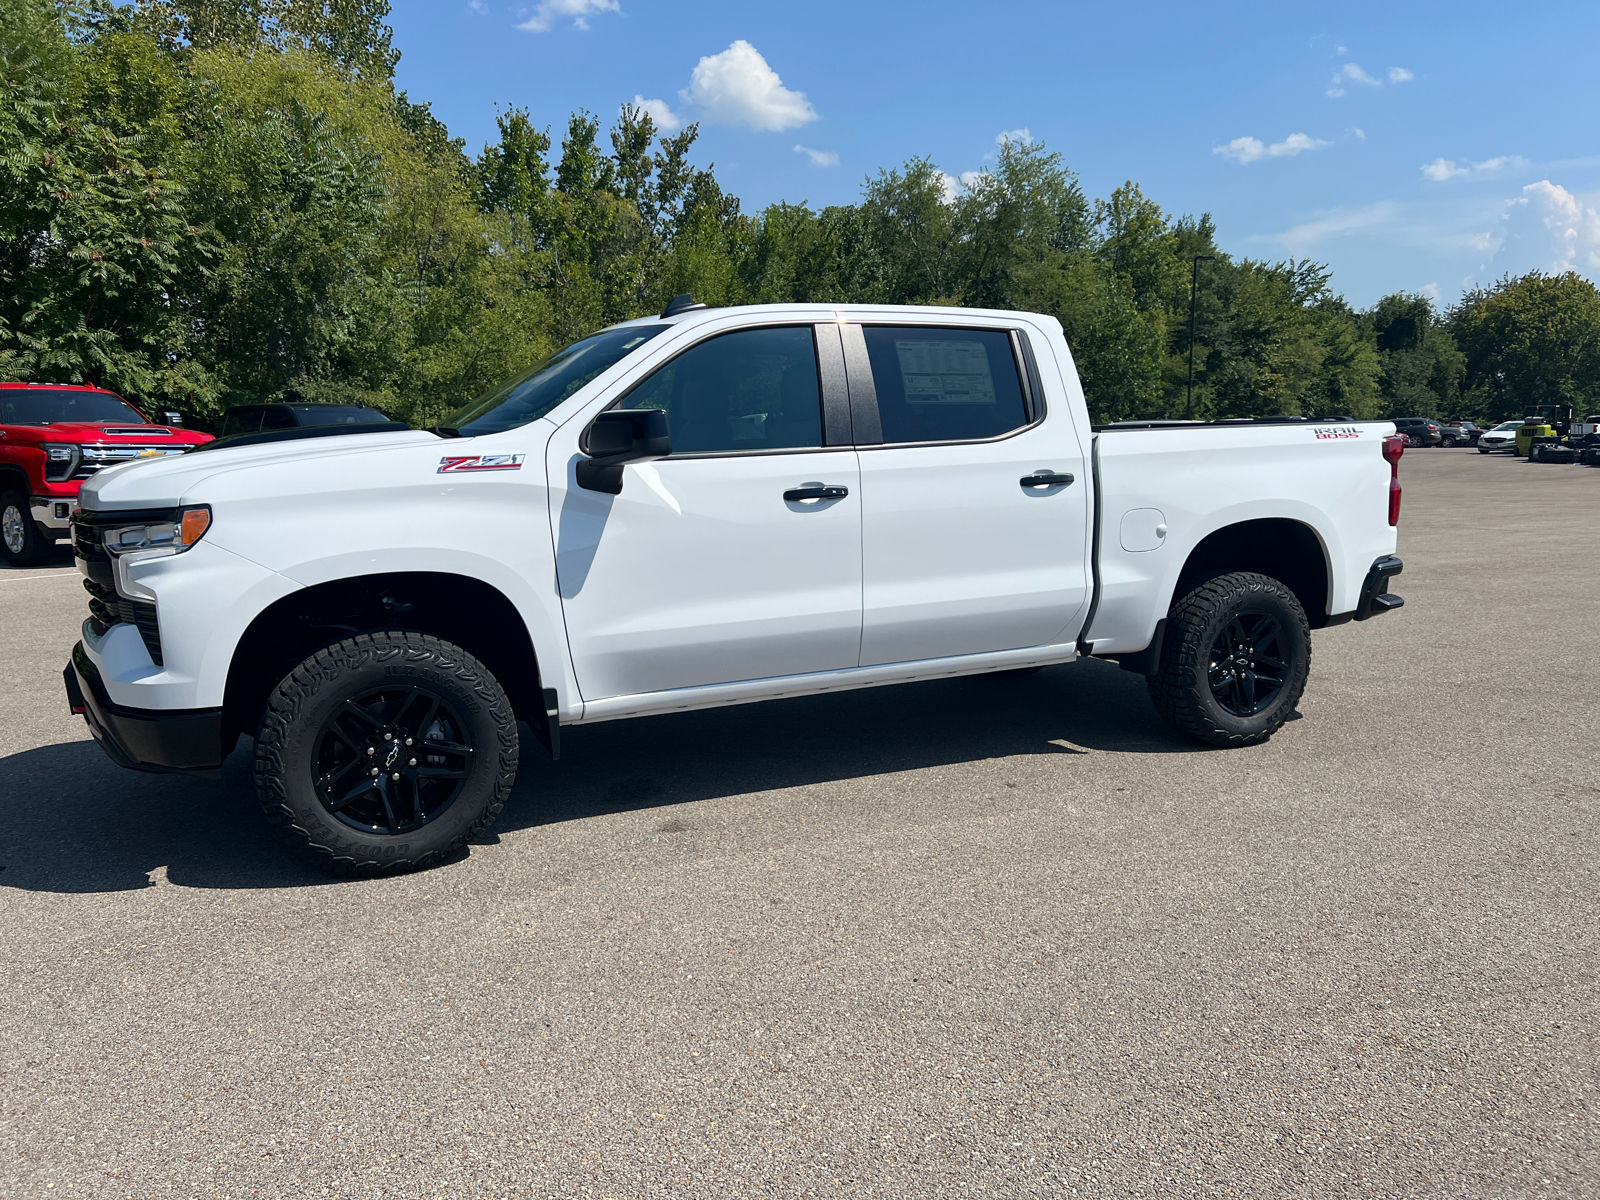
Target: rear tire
[385,752]
[1234,660]
[20,543]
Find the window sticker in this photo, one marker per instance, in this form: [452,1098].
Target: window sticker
[945,372]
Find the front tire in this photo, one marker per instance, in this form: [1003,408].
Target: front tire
[1483,449]
[1234,660]
[385,752]
[20,543]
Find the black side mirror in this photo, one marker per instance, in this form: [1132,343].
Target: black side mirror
[174,419]
[618,437]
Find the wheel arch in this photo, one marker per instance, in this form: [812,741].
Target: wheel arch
[1283,548]
[459,609]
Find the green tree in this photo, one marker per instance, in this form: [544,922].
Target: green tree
[1530,341]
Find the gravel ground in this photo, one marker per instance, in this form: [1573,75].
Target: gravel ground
[998,937]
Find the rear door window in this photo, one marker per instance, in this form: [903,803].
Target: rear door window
[945,385]
[756,389]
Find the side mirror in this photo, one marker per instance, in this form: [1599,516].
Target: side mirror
[174,419]
[618,437]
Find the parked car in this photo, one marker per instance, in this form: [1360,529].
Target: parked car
[53,437]
[1460,433]
[1419,431]
[710,507]
[245,419]
[1502,437]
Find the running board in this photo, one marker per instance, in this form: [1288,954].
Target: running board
[751,691]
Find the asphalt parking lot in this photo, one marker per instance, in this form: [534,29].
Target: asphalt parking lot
[1004,937]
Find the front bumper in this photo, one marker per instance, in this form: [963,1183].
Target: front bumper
[181,741]
[52,513]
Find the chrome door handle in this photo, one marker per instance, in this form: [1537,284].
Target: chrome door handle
[1046,479]
[817,491]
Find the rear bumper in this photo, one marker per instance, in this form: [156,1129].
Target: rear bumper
[1375,597]
[180,741]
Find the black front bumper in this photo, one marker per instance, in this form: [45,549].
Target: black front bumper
[182,741]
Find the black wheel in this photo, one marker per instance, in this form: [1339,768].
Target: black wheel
[1234,661]
[1483,449]
[385,752]
[20,542]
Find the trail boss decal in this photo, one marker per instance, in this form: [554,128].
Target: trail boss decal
[1337,431]
[452,464]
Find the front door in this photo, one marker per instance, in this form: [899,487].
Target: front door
[739,556]
[972,539]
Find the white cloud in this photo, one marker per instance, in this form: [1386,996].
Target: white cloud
[1013,135]
[478,6]
[951,185]
[1441,170]
[1248,149]
[1400,75]
[547,12]
[1357,132]
[819,158]
[1547,228]
[666,120]
[1351,73]
[737,87]
[1431,291]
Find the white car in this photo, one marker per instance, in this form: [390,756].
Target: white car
[710,507]
[1502,437]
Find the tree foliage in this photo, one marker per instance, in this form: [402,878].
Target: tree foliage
[206,202]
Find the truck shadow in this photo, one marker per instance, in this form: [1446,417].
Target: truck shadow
[70,821]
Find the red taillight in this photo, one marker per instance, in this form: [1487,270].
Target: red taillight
[1393,447]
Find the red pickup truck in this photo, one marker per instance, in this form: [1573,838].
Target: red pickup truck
[53,436]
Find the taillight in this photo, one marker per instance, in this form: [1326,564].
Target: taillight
[1393,447]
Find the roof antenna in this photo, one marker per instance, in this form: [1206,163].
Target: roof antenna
[680,304]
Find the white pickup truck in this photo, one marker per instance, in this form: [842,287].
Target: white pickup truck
[711,507]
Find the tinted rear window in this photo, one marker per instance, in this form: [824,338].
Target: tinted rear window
[945,385]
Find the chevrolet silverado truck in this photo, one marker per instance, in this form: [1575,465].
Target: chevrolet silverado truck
[712,507]
[53,437]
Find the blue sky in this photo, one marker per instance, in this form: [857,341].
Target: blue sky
[1412,147]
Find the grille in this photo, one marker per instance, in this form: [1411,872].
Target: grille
[96,458]
[106,607]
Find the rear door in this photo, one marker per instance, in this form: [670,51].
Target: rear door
[973,494]
[737,557]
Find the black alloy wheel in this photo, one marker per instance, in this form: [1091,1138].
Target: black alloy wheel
[392,759]
[1234,659]
[1248,665]
[387,751]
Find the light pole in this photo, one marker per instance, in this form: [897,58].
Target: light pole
[1194,288]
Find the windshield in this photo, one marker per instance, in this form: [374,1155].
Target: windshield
[1509,425]
[528,396]
[337,414]
[31,406]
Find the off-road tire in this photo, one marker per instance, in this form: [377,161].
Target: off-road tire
[1181,689]
[16,517]
[293,724]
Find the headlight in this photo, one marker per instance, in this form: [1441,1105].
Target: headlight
[60,461]
[174,536]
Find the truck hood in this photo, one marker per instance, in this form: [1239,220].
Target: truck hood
[107,433]
[163,482]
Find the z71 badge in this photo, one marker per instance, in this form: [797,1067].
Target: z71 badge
[450,464]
